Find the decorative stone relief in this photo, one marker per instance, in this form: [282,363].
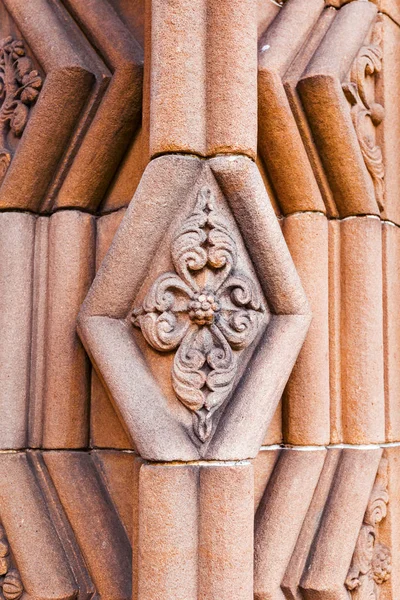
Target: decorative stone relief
[364,109]
[371,564]
[20,84]
[10,579]
[204,311]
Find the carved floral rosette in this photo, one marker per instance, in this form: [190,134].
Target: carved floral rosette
[20,84]
[371,565]
[204,311]
[364,109]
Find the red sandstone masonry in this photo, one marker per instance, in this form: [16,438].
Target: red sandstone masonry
[330,560]
[306,399]
[266,13]
[79,523]
[274,433]
[17,232]
[70,76]
[390,529]
[100,535]
[328,114]
[280,516]
[299,559]
[356,331]
[39,339]
[103,319]
[203,90]
[106,429]
[36,546]
[118,115]
[290,80]
[280,142]
[263,465]
[168,533]
[195,535]
[71,270]
[226,541]
[119,472]
[361,331]
[389,7]
[391,331]
[334,281]
[128,176]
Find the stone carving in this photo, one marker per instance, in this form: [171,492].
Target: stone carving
[371,563]
[10,579]
[365,110]
[205,311]
[19,88]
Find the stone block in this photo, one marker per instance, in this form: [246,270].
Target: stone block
[67,379]
[391,328]
[195,536]
[388,89]
[106,429]
[17,231]
[306,403]
[280,142]
[361,331]
[202,92]
[337,131]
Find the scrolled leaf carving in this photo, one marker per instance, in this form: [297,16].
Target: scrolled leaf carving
[205,311]
[371,564]
[10,579]
[365,110]
[20,85]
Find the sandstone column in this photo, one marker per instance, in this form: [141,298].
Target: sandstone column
[197,292]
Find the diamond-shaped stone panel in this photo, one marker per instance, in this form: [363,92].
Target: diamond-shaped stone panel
[199,264]
[204,309]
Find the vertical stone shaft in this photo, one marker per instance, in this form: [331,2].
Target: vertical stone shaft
[195,530]
[202,77]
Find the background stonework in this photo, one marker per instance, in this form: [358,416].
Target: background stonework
[199,285]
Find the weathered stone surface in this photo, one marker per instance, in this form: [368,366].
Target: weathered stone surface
[280,141]
[231,434]
[67,379]
[106,429]
[391,328]
[100,535]
[308,497]
[16,267]
[202,94]
[196,525]
[389,131]
[321,86]
[280,515]
[361,338]
[86,113]
[306,400]
[158,272]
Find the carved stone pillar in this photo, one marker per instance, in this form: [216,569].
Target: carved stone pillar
[197,314]
[199,284]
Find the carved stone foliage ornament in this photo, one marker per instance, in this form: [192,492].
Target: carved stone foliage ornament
[10,579]
[365,111]
[204,311]
[19,88]
[371,564]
